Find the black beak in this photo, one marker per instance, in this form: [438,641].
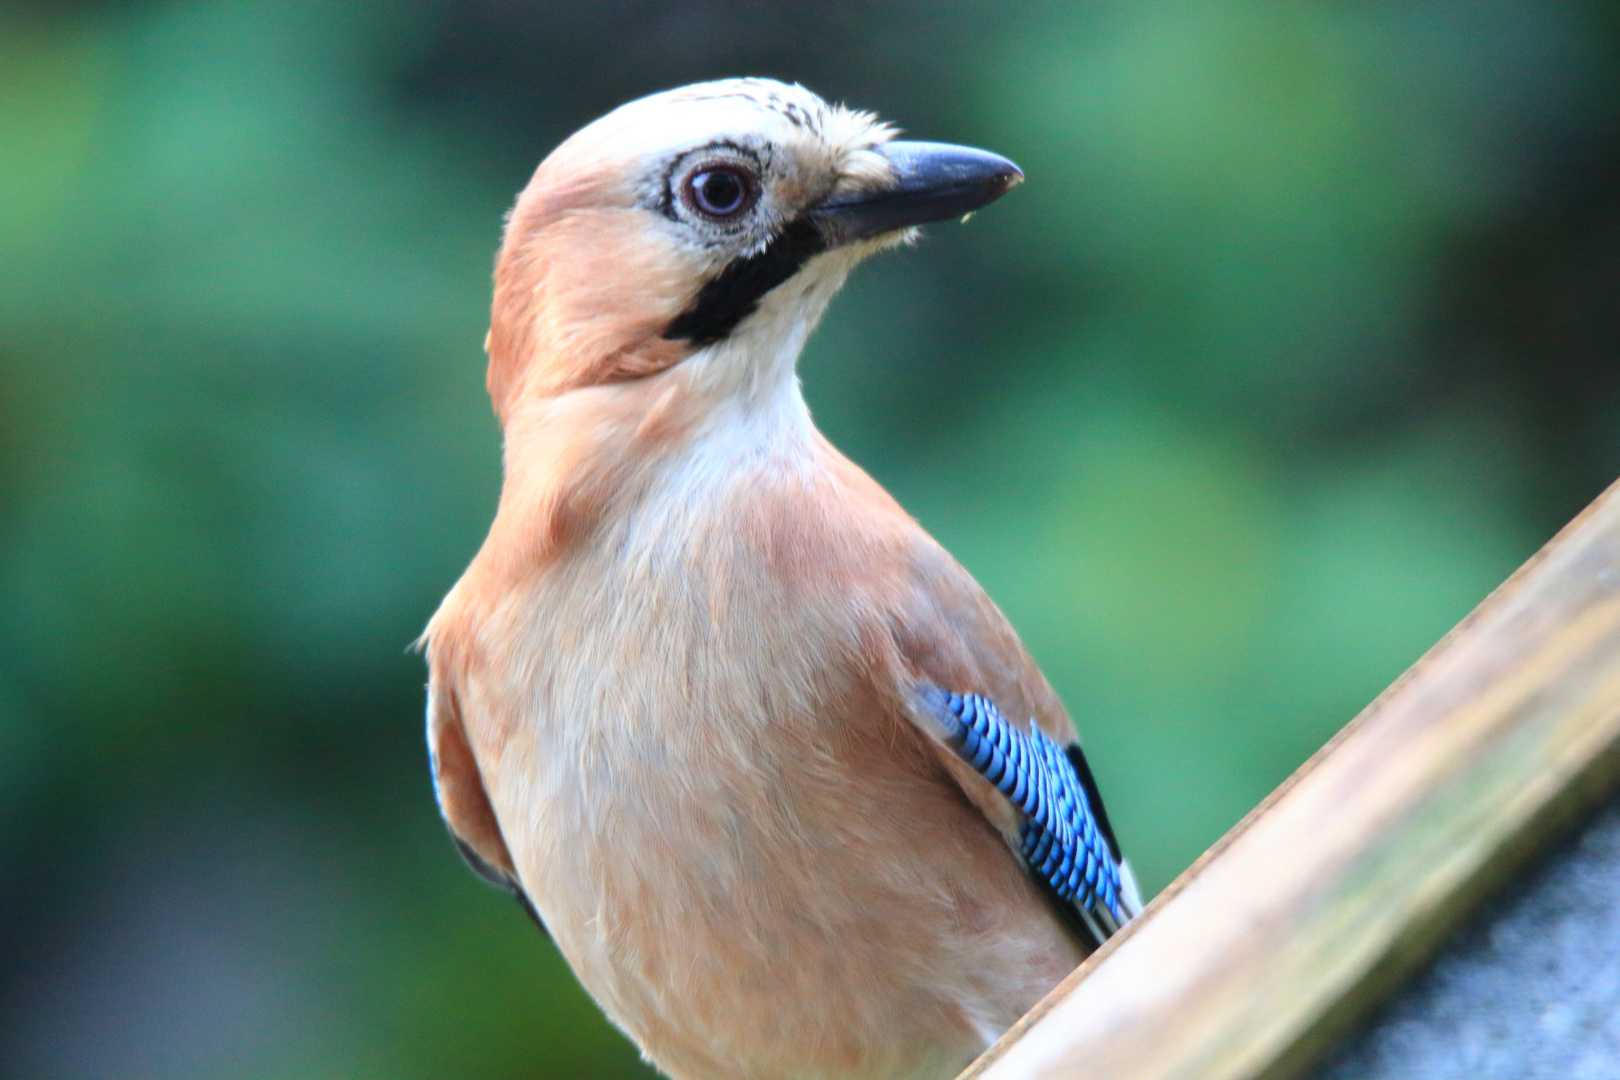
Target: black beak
[936,181]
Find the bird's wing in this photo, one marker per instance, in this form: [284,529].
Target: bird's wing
[462,798]
[1006,739]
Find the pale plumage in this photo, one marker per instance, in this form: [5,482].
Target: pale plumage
[685,701]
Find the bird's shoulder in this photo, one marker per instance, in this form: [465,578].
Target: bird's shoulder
[944,628]
[958,670]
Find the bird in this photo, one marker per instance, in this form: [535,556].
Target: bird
[767,764]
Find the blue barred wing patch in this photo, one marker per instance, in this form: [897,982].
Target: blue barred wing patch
[1062,843]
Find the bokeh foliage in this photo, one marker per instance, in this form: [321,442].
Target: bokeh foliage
[1299,338]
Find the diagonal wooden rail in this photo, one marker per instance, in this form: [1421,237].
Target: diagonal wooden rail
[1350,874]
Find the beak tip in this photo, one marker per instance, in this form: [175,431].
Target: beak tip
[1008,172]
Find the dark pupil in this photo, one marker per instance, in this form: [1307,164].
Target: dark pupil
[718,192]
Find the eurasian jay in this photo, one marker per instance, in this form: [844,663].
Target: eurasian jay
[766,762]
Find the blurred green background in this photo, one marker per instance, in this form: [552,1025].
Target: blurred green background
[1300,337]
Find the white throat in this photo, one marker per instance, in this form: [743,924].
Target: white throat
[756,366]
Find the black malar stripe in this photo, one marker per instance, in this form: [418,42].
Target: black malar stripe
[733,294]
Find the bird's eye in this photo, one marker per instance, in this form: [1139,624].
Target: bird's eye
[721,192]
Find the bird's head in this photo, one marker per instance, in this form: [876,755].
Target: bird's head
[712,221]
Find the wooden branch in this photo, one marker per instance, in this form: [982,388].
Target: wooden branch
[1348,876]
